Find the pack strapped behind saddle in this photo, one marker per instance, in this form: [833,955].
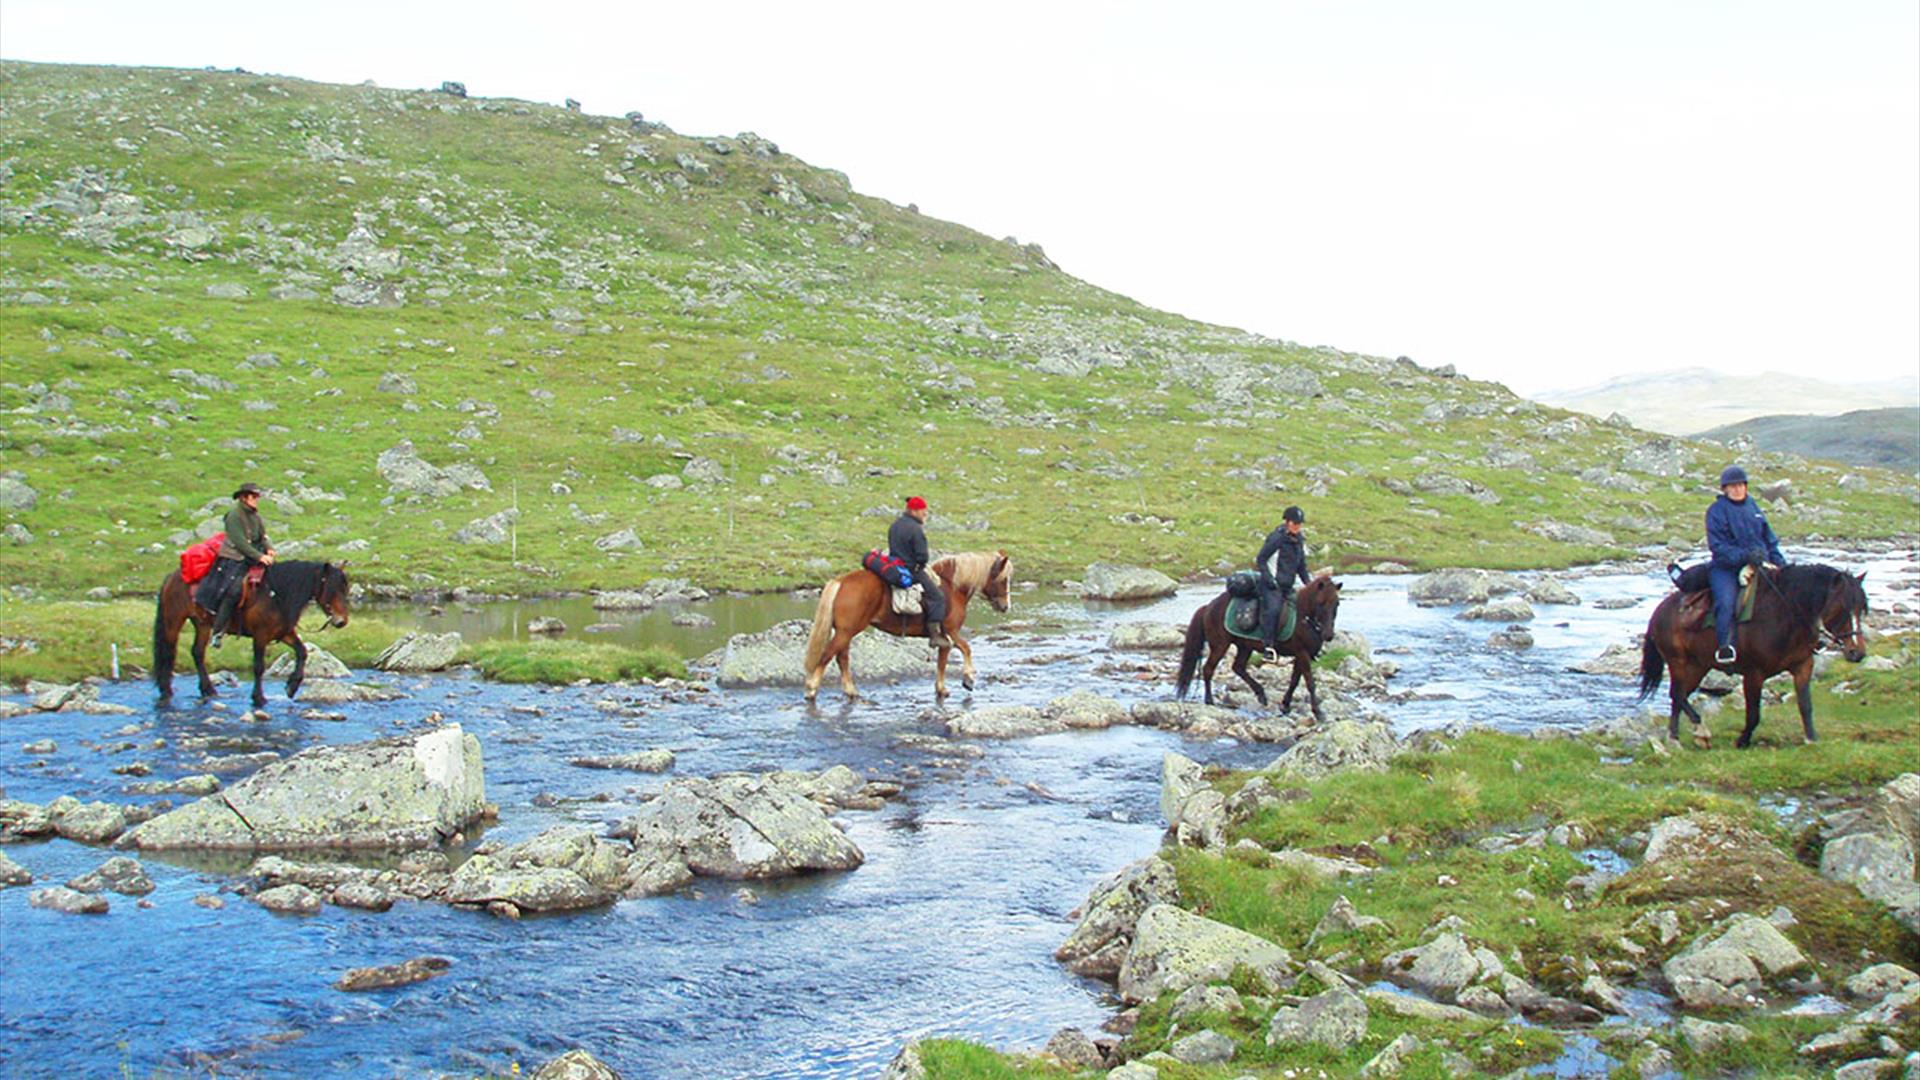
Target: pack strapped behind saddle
[1243,618]
[891,570]
[197,560]
[907,601]
[1243,583]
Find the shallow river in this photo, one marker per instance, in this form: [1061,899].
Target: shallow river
[947,929]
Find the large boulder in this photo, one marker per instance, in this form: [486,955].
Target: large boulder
[741,827]
[418,650]
[1874,849]
[1453,585]
[1003,722]
[406,474]
[1085,709]
[1335,1019]
[406,792]
[1174,949]
[321,664]
[1100,941]
[776,656]
[1341,745]
[1443,967]
[1147,637]
[1728,967]
[1111,581]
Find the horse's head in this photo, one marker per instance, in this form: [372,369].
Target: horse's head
[1844,615]
[332,594]
[1323,605]
[999,583]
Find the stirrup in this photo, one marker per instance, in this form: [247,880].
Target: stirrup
[1727,654]
[1270,654]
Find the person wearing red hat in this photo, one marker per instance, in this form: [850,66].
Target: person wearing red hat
[907,541]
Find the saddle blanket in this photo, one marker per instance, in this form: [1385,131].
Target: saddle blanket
[1696,608]
[1243,618]
[906,601]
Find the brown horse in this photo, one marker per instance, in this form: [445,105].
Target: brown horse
[852,602]
[1795,613]
[273,614]
[1318,604]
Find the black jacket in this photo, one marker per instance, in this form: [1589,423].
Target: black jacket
[907,540]
[1287,554]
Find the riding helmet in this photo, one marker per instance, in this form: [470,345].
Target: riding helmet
[249,488]
[1733,474]
[1294,513]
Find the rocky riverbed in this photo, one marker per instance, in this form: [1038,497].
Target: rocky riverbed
[979,825]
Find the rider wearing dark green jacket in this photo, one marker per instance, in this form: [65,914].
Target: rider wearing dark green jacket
[246,545]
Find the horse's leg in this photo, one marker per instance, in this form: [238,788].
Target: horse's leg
[940,672]
[1216,653]
[1686,675]
[842,647]
[200,637]
[1803,694]
[1303,665]
[1751,683]
[259,669]
[299,665]
[1293,683]
[966,660]
[1240,658]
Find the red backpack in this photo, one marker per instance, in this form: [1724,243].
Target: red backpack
[889,569]
[198,559]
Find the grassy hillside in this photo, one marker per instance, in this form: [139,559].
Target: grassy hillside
[1886,438]
[208,277]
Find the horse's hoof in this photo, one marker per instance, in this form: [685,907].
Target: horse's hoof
[967,685]
[1702,742]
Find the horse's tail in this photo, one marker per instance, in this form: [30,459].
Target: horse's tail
[1190,653]
[163,645]
[822,625]
[1653,666]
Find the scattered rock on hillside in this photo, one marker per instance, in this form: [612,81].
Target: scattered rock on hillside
[399,793]
[496,528]
[407,474]
[16,494]
[1339,746]
[1335,1019]
[1728,967]
[1111,581]
[1174,949]
[1104,934]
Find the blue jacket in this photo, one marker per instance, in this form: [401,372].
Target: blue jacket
[1736,531]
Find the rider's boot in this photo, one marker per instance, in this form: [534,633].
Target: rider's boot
[937,636]
[225,614]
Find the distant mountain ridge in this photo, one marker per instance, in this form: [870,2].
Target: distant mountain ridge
[1693,401]
[1889,438]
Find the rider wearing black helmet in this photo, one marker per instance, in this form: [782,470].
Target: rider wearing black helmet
[1737,536]
[1282,559]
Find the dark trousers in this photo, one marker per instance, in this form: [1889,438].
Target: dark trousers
[1273,601]
[224,577]
[1726,602]
[932,601]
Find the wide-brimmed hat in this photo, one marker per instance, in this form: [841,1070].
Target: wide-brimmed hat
[249,488]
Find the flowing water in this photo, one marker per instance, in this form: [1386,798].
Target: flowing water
[948,928]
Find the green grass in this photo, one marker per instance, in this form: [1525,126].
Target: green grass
[571,661]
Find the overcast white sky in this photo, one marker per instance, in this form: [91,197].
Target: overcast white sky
[1543,193]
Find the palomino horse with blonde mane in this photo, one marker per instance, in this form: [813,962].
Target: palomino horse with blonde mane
[852,602]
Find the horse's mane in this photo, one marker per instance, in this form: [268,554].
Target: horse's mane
[968,571]
[293,585]
[1805,585]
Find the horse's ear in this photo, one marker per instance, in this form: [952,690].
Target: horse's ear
[999,564]
[1338,585]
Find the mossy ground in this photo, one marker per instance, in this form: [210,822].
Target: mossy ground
[1420,820]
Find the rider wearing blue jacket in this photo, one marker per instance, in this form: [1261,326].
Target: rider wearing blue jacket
[1737,535]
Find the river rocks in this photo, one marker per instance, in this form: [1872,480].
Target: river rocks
[1203,1048]
[40,747]
[1085,709]
[1620,661]
[646,761]
[196,785]
[1453,585]
[289,900]
[1727,968]
[1196,812]
[89,823]
[360,896]
[1206,721]
[1706,1038]
[321,664]
[546,624]
[398,793]
[906,1065]
[63,697]
[776,656]
[1512,639]
[1111,581]
[120,874]
[1335,1019]
[1099,942]
[1174,949]
[419,651]
[418,969]
[563,869]
[1444,967]
[1339,746]
[580,1065]
[70,901]
[1874,848]
[1003,722]
[1507,609]
[1563,533]
[23,820]
[1072,1047]
[1548,590]
[741,827]
[1147,637]
[12,873]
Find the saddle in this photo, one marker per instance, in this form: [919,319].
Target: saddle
[1696,607]
[1243,618]
[250,583]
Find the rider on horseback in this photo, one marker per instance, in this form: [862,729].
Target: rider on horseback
[1738,536]
[1282,559]
[245,547]
[907,541]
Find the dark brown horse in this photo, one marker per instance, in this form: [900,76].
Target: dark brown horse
[852,602]
[273,614]
[1795,612]
[1318,604]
